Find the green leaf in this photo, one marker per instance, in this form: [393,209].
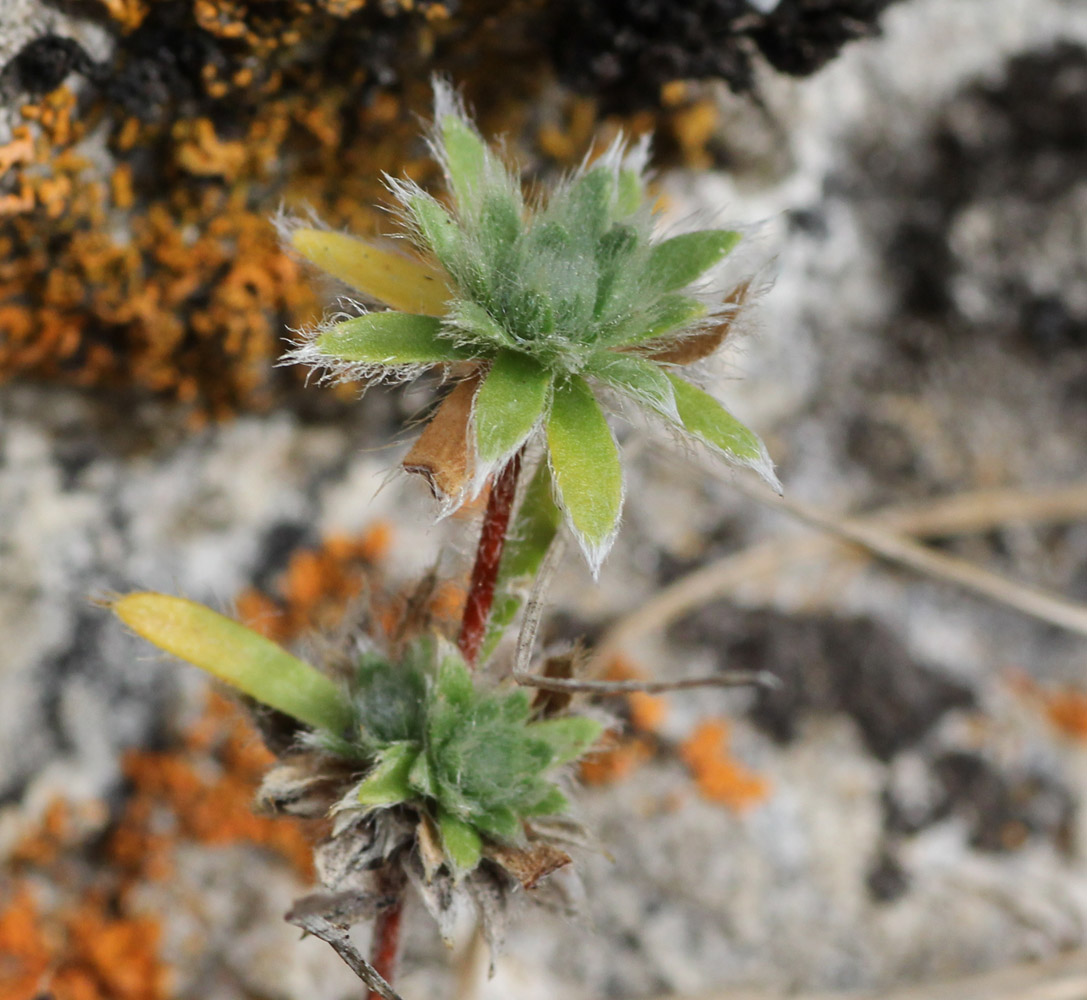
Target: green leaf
[586,468]
[677,262]
[465,157]
[389,338]
[237,655]
[672,312]
[516,707]
[454,684]
[462,844]
[630,193]
[387,782]
[642,380]
[389,698]
[588,201]
[551,803]
[420,777]
[478,324]
[500,822]
[531,535]
[568,737]
[437,228]
[707,419]
[508,405]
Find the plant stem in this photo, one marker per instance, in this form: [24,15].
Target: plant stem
[492,541]
[386,943]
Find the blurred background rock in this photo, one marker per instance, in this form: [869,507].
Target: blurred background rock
[913,176]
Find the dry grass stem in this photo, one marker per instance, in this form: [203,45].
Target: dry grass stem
[881,533]
[1060,978]
[736,678]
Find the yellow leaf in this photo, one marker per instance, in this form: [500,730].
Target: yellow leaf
[399,281]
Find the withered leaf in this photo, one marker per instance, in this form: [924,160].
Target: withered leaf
[443,453]
[694,348]
[528,864]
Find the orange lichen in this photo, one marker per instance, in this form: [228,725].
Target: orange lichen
[183,289]
[617,756]
[109,958]
[70,924]
[613,759]
[211,809]
[318,585]
[25,951]
[1066,708]
[719,776]
[646,711]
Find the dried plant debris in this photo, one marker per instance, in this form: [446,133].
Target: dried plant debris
[627,50]
[829,664]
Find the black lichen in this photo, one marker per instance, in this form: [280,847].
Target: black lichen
[626,50]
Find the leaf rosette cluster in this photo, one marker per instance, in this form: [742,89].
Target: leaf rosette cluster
[472,761]
[534,305]
[408,742]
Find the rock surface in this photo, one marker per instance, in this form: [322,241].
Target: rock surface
[923,200]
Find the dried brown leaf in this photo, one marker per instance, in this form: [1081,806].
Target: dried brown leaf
[443,453]
[528,864]
[701,345]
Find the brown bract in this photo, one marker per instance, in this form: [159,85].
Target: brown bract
[699,346]
[443,453]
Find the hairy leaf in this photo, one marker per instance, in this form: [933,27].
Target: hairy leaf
[585,465]
[437,228]
[465,157]
[387,783]
[671,312]
[707,419]
[501,822]
[551,803]
[508,405]
[461,842]
[389,338]
[642,380]
[237,655]
[473,322]
[567,737]
[677,262]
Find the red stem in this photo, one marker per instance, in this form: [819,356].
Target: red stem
[386,944]
[492,541]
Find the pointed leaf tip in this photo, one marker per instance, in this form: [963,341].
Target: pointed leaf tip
[389,780]
[586,469]
[237,655]
[678,261]
[709,421]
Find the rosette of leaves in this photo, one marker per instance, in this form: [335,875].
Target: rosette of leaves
[535,305]
[411,734]
[472,762]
